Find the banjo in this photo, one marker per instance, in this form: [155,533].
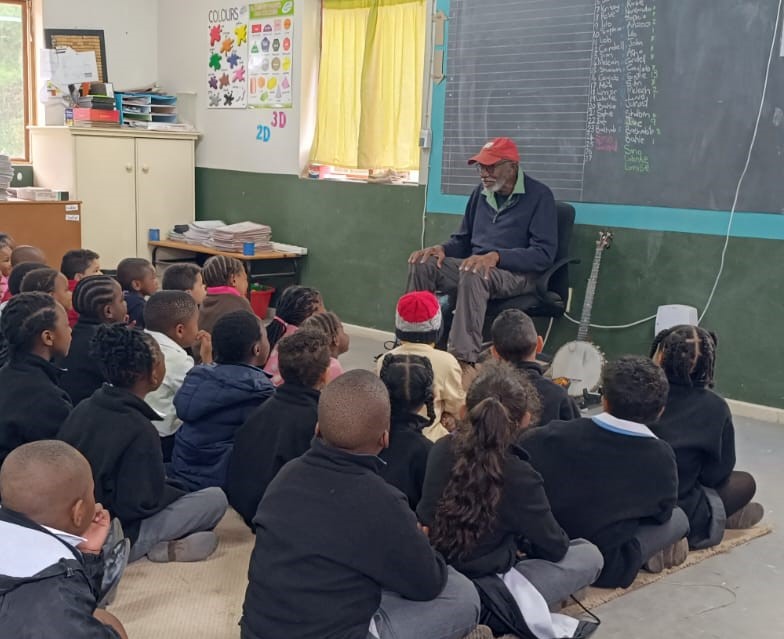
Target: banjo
[578,364]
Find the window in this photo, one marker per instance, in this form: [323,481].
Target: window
[370,90]
[14,75]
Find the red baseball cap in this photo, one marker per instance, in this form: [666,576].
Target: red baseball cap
[496,151]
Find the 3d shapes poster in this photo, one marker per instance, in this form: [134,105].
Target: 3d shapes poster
[270,54]
[227,83]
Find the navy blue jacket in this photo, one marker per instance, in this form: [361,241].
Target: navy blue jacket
[524,232]
[214,401]
[136,304]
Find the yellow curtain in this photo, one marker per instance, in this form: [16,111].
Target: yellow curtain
[370,84]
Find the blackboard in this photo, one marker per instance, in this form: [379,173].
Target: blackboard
[641,102]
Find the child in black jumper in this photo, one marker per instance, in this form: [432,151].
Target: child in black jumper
[486,506]
[697,423]
[112,429]
[98,299]
[282,428]
[516,341]
[338,552]
[32,406]
[610,480]
[409,380]
[139,280]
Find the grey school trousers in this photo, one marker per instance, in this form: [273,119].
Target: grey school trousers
[473,292]
[556,582]
[451,615]
[656,537]
[194,512]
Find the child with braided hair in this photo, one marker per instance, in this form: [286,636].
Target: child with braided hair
[98,300]
[296,304]
[6,248]
[113,430]
[409,380]
[32,406]
[697,423]
[329,324]
[51,281]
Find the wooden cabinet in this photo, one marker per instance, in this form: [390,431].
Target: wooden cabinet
[128,181]
[54,227]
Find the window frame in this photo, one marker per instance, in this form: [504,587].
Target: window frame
[27,74]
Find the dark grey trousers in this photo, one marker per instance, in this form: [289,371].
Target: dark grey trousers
[472,292]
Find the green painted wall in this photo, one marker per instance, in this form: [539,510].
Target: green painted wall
[359,236]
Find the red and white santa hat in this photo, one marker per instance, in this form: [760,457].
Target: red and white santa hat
[418,317]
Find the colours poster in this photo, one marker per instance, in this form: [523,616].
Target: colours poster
[227,71]
[270,54]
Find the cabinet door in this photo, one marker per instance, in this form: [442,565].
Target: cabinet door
[106,184]
[165,187]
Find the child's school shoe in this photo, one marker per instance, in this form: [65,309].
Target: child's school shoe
[195,547]
[747,517]
[669,557]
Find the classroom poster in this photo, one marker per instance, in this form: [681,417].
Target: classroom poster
[270,61]
[227,59]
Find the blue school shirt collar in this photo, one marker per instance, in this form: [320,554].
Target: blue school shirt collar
[621,426]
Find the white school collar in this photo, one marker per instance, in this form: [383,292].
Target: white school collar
[622,426]
[68,538]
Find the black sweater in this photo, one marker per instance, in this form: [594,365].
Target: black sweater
[556,403]
[331,535]
[113,431]
[82,376]
[602,485]
[280,430]
[406,457]
[32,406]
[523,519]
[698,425]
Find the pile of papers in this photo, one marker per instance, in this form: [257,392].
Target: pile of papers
[232,237]
[200,232]
[6,174]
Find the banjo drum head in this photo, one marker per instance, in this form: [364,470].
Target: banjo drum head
[581,364]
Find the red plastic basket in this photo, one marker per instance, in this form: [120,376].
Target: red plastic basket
[260,301]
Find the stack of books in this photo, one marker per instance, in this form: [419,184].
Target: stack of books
[95,107]
[6,175]
[232,237]
[201,232]
[36,194]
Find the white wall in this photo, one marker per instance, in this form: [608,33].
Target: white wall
[229,135]
[130,30]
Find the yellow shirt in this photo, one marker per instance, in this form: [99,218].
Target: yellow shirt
[447,387]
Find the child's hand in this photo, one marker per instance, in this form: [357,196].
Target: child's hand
[448,421]
[96,534]
[204,339]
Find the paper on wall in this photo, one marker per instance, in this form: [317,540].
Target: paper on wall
[270,54]
[227,31]
[66,66]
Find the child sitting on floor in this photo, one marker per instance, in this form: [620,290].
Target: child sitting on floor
[283,427]
[185,277]
[515,340]
[113,430]
[172,318]
[418,326]
[338,552]
[296,304]
[227,288]
[15,280]
[76,265]
[51,536]
[610,480]
[485,505]
[98,300]
[216,399]
[6,248]
[139,280]
[329,324]
[409,380]
[51,282]
[32,405]
[697,423]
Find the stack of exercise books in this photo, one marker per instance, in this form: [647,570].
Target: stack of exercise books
[200,232]
[233,237]
[6,175]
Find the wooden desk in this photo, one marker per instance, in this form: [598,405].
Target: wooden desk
[54,227]
[268,265]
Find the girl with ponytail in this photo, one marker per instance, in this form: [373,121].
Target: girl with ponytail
[485,506]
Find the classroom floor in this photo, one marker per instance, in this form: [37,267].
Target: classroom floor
[729,596]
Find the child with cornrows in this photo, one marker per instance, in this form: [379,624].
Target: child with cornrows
[697,423]
[329,324]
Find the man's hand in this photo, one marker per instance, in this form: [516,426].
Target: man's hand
[205,346]
[481,264]
[96,534]
[425,254]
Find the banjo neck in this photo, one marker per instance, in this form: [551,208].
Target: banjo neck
[605,238]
